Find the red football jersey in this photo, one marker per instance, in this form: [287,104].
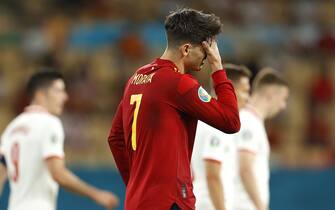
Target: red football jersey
[153,132]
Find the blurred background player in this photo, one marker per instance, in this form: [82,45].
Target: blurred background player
[269,96]
[156,120]
[214,153]
[32,149]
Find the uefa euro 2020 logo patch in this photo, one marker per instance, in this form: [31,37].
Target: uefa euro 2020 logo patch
[203,95]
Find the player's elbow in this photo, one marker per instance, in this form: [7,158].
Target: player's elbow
[58,174]
[230,127]
[57,178]
[116,140]
[245,172]
[235,127]
[233,124]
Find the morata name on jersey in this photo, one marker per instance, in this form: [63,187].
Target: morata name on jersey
[140,79]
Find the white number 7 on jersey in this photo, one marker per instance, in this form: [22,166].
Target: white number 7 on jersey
[137,100]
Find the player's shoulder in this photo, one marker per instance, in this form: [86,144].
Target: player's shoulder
[43,119]
[248,116]
[186,82]
[53,119]
[249,122]
[206,130]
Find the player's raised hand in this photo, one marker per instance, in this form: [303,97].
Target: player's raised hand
[213,54]
[106,199]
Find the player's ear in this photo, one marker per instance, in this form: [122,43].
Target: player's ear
[185,49]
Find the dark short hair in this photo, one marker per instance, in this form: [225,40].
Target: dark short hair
[268,76]
[191,26]
[42,79]
[236,72]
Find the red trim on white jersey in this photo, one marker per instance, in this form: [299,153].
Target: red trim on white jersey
[192,174]
[212,160]
[20,129]
[53,156]
[247,151]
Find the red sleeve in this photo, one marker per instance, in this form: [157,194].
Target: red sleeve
[117,145]
[221,113]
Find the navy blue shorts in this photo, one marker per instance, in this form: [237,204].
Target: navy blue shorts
[175,207]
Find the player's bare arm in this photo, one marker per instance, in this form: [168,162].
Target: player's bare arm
[249,180]
[3,177]
[68,180]
[214,184]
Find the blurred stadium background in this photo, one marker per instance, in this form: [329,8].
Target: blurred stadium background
[98,45]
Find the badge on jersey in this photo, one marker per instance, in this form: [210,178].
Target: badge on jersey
[203,95]
[54,139]
[215,142]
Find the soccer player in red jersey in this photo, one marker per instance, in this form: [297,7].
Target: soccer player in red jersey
[153,131]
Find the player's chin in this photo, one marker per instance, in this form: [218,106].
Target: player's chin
[58,111]
[195,69]
[274,113]
[241,105]
[198,68]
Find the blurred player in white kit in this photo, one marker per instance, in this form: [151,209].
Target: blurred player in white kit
[32,152]
[269,96]
[214,156]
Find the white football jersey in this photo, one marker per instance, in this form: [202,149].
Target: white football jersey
[213,145]
[30,139]
[252,138]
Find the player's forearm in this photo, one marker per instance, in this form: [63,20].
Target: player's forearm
[71,182]
[226,97]
[222,113]
[3,177]
[249,181]
[1,188]
[216,193]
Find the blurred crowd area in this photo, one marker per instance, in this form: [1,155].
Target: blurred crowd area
[99,44]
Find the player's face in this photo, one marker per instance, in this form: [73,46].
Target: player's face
[242,88]
[56,97]
[278,99]
[195,56]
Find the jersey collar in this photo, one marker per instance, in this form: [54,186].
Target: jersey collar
[167,63]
